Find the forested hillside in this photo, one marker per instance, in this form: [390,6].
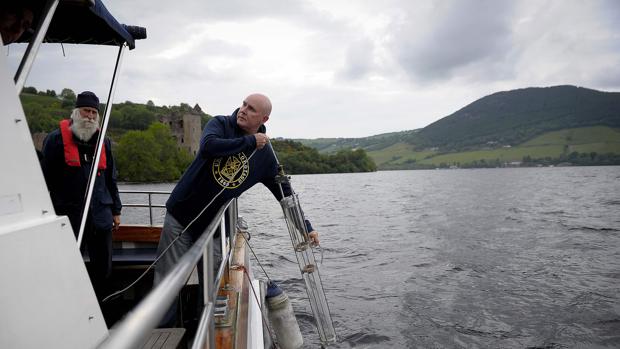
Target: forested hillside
[146,150]
[298,158]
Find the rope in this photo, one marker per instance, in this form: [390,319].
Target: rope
[160,256]
[263,317]
[256,258]
[169,245]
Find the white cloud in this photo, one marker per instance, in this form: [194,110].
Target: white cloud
[345,69]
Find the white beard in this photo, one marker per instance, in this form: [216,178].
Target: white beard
[83,128]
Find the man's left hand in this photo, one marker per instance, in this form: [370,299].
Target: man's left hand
[314,237]
[117,221]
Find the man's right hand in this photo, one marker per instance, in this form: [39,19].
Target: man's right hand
[261,140]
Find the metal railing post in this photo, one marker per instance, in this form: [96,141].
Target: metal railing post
[150,204]
[233,214]
[90,184]
[208,288]
[150,211]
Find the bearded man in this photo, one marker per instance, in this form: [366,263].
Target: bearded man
[68,154]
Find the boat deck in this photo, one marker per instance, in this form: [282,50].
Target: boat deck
[164,338]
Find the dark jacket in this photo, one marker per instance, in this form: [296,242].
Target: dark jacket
[67,184]
[224,161]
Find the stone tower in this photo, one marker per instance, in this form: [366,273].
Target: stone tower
[186,129]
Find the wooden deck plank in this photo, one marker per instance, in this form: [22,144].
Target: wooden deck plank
[151,340]
[136,233]
[164,338]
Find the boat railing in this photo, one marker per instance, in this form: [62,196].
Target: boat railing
[150,205]
[136,327]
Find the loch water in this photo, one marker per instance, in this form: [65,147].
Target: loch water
[478,258]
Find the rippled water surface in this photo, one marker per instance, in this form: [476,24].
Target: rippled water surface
[487,258]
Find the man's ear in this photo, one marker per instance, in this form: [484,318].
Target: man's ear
[265,118]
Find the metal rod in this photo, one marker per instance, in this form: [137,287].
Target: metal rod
[100,140]
[209,333]
[208,286]
[144,191]
[143,205]
[137,325]
[33,47]
[150,211]
[273,151]
[202,332]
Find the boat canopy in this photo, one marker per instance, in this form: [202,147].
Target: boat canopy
[83,22]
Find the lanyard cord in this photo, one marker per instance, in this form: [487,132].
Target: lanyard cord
[169,245]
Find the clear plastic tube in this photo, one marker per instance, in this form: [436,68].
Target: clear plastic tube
[309,269]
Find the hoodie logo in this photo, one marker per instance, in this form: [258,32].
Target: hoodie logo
[231,172]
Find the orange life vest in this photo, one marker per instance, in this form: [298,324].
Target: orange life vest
[72,154]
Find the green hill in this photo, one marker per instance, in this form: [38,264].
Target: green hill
[539,125]
[513,117]
[377,142]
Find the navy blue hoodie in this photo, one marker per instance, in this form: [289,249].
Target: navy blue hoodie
[224,160]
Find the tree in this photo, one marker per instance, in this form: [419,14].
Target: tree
[68,93]
[29,89]
[150,155]
[298,158]
[150,105]
[68,98]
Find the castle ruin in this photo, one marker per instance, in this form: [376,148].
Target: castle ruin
[186,129]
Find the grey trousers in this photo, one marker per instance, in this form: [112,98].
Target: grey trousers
[171,229]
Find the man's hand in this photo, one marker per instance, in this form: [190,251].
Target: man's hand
[261,140]
[314,237]
[117,221]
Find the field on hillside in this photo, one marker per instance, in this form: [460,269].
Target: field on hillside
[398,153]
[599,139]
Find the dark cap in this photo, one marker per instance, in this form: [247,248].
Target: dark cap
[87,99]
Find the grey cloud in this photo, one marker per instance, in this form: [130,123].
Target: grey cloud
[607,78]
[241,8]
[169,24]
[610,11]
[457,34]
[358,60]
[193,10]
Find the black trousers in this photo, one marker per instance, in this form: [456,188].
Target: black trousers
[99,246]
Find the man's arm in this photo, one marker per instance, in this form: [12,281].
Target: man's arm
[286,188]
[112,185]
[214,142]
[49,165]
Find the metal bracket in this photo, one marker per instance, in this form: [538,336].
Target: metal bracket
[221,313]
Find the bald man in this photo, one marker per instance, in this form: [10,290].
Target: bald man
[234,155]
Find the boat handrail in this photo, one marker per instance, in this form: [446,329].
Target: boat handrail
[148,205]
[135,328]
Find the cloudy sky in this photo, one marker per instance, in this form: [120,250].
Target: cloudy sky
[345,68]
